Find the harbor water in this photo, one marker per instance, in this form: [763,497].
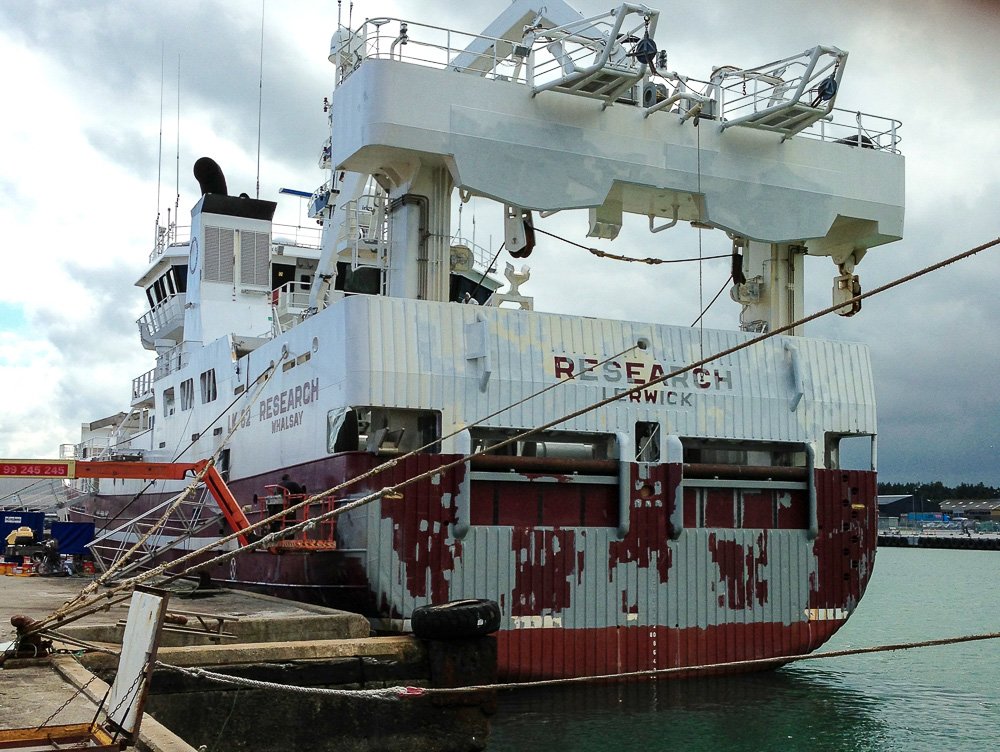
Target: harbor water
[939,698]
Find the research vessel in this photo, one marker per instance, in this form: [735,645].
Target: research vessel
[669,507]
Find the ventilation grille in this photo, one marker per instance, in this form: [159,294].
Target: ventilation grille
[220,245]
[255,251]
[254,257]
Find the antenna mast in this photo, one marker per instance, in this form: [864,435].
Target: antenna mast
[159,158]
[177,167]
[260,92]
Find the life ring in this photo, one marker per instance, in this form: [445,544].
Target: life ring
[471,617]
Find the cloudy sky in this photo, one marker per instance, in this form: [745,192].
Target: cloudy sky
[79,194]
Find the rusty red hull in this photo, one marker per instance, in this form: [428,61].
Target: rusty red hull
[701,577]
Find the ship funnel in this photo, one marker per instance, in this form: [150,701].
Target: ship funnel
[209,176]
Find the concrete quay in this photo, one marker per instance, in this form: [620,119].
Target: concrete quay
[272,640]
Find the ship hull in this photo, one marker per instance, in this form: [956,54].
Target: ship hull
[577,597]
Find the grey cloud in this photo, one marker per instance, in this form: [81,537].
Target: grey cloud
[125,146]
[112,52]
[108,333]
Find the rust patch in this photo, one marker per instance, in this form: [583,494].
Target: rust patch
[649,528]
[546,560]
[738,569]
[420,527]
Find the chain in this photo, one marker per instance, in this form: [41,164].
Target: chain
[62,707]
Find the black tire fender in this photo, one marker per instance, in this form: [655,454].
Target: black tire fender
[472,617]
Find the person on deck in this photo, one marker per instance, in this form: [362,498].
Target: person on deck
[291,486]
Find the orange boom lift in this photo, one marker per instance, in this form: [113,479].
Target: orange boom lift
[70,469]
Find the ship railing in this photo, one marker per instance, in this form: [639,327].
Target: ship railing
[856,128]
[172,360]
[163,320]
[300,236]
[50,495]
[117,449]
[169,237]
[91,449]
[288,303]
[365,230]
[320,534]
[569,50]
[142,385]
[482,257]
[783,96]
[426,45]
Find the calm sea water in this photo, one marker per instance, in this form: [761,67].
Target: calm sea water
[945,698]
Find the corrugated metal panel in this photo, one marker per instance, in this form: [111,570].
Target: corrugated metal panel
[577,600]
[416,349]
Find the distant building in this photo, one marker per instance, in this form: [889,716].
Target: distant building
[910,504]
[974,509]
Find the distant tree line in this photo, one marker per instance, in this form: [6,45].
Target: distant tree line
[937,491]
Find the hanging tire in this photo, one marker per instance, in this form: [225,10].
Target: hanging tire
[456,619]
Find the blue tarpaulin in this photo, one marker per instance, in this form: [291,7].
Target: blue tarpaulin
[13,520]
[73,537]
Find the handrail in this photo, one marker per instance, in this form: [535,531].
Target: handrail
[495,58]
[143,384]
[163,313]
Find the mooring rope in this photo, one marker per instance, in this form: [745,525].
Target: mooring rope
[91,587]
[79,606]
[392,492]
[392,693]
[385,693]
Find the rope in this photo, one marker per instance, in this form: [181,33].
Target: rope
[648,260]
[752,663]
[119,562]
[392,693]
[392,491]
[87,608]
[712,301]
[386,693]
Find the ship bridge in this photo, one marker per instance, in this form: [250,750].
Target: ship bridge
[547,110]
